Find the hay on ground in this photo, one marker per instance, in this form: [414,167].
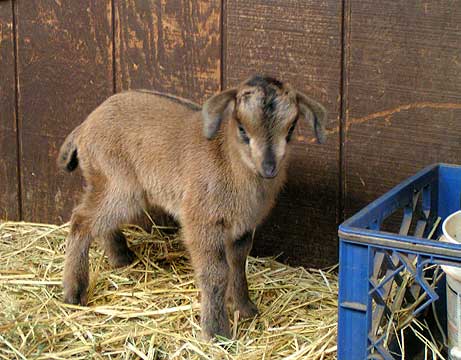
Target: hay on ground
[150,309]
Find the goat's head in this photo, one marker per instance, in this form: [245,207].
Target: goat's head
[262,114]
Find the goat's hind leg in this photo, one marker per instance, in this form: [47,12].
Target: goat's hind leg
[76,265]
[116,249]
[114,211]
[95,218]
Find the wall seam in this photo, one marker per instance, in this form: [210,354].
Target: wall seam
[223,44]
[16,112]
[345,38]
[114,52]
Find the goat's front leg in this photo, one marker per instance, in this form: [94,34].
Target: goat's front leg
[206,246]
[237,288]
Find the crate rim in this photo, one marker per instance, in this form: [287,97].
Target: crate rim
[381,238]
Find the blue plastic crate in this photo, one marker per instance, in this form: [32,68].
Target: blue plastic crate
[385,259]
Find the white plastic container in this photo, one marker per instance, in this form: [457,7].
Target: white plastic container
[452,233]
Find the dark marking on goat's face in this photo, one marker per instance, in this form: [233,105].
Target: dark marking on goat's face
[265,115]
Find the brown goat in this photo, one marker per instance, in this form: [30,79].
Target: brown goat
[217,171]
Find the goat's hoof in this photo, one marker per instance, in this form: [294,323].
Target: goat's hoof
[123,259]
[209,333]
[213,337]
[247,310]
[76,295]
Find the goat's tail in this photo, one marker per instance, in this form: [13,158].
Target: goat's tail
[68,159]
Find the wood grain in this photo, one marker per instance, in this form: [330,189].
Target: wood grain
[9,179]
[172,46]
[404,93]
[168,45]
[300,42]
[64,72]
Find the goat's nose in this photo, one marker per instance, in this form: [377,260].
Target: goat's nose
[269,168]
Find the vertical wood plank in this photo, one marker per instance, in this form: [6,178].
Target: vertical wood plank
[65,71]
[404,93]
[300,42]
[9,180]
[172,46]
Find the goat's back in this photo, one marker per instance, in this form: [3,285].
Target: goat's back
[139,138]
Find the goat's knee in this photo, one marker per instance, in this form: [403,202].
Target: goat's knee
[76,266]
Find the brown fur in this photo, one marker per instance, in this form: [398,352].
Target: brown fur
[142,149]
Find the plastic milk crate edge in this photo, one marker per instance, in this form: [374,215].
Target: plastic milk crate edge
[382,272]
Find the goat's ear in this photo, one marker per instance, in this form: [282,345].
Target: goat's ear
[213,111]
[314,113]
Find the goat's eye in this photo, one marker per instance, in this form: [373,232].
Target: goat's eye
[243,134]
[290,131]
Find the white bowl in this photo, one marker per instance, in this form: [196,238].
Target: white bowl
[451,228]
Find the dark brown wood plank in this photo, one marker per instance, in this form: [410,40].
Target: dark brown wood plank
[297,41]
[172,46]
[404,93]
[9,180]
[65,71]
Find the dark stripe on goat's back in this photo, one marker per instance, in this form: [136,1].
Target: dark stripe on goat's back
[190,104]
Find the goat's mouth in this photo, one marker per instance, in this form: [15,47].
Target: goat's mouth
[268,176]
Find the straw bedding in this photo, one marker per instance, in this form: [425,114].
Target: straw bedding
[150,310]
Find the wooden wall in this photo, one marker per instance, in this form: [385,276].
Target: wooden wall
[389,73]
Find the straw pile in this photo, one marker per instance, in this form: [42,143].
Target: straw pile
[150,309]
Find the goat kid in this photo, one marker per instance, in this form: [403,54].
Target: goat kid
[217,171]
